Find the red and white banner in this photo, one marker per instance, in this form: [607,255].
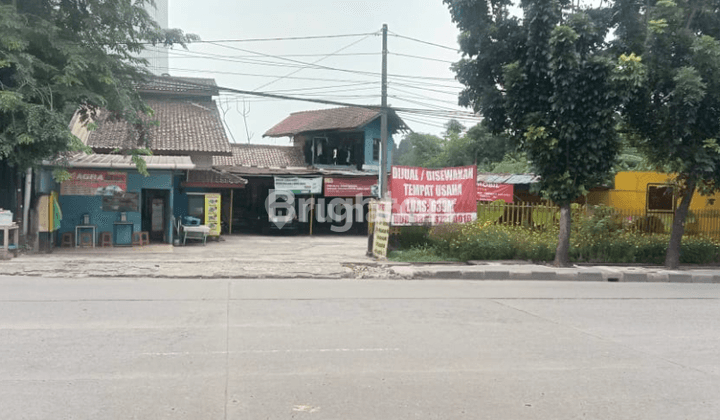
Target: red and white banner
[492,192]
[92,182]
[349,187]
[433,196]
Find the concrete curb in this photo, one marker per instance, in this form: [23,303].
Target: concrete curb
[593,274]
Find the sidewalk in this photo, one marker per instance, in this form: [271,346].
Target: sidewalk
[322,257]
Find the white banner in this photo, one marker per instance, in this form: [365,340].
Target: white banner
[299,185]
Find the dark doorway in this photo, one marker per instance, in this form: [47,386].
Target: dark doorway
[154,214]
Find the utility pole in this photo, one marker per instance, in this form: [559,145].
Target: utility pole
[384,119]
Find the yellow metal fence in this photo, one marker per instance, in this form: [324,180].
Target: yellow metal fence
[706,222]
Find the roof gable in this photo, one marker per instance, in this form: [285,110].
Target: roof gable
[347,118]
[184,126]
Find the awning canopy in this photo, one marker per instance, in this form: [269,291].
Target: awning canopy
[100,160]
[214,179]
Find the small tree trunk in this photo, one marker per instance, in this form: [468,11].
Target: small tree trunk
[562,254]
[672,258]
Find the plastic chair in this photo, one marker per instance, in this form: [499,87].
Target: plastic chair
[140,238]
[68,240]
[106,239]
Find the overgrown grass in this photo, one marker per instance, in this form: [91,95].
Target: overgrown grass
[418,254]
[597,238]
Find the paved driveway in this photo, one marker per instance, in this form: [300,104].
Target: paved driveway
[236,256]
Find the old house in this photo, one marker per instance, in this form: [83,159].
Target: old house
[106,193]
[335,154]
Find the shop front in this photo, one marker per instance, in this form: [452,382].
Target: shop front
[120,202]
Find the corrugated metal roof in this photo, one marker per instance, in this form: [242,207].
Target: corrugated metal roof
[508,178]
[214,178]
[100,160]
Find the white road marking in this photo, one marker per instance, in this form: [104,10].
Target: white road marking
[271,351]
[306,408]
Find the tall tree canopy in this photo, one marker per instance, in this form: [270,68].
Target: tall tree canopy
[675,118]
[59,56]
[547,78]
[477,145]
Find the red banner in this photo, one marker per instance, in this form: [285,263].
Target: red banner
[91,182]
[492,192]
[349,187]
[433,196]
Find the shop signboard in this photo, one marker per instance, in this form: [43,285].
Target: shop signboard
[212,213]
[349,187]
[381,236]
[424,196]
[299,185]
[93,182]
[490,192]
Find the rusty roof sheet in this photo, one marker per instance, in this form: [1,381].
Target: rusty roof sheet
[346,118]
[214,178]
[184,126]
[508,178]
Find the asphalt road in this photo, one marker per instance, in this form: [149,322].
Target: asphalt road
[346,349]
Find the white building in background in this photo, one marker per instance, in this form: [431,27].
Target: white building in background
[157,56]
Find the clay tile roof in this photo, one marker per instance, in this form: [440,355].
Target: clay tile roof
[263,156]
[185,126]
[184,86]
[328,119]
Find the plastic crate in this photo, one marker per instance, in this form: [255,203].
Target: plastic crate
[6,217]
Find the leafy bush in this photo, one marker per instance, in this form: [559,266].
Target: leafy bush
[442,236]
[598,237]
[423,253]
[699,250]
[412,236]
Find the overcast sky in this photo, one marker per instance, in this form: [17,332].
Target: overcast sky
[431,84]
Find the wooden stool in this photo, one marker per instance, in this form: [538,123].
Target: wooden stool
[141,238]
[68,240]
[86,239]
[106,239]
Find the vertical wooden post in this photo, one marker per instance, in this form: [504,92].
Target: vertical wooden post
[312,212]
[231,211]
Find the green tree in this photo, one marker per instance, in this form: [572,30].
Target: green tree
[420,150]
[453,127]
[60,56]
[675,118]
[546,78]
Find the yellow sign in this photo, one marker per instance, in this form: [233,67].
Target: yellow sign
[212,213]
[381,236]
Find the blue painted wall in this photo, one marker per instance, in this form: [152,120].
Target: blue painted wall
[74,206]
[45,183]
[372,131]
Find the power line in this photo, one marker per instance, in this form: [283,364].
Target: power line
[321,67]
[315,62]
[424,42]
[265,75]
[419,121]
[430,90]
[290,38]
[415,95]
[291,55]
[421,57]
